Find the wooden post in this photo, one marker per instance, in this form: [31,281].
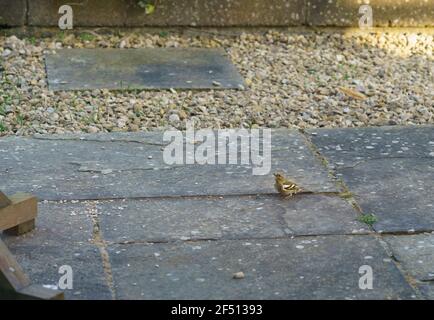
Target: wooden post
[4,201]
[17,216]
[18,213]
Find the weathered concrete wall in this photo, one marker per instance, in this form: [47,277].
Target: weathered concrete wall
[12,12]
[86,13]
[219,13]
[173,13]
[393,13]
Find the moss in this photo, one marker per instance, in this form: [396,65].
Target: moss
[86,36]
[346,195]
[369,219]
[2,127]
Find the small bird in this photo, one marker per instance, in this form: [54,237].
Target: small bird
[286,187]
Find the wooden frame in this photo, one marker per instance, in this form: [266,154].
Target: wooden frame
[17,216]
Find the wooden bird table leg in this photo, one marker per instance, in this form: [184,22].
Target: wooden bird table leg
[17,216]
[18,213]
[14,284]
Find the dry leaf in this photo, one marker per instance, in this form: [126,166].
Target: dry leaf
[149,9]
[352,93]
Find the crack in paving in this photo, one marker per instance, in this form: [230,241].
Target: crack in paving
[213,239]
[84,139]
[84,167]
[99,241]
[332,173]
[412,281]
[404,233]
[380,158]
[198,196]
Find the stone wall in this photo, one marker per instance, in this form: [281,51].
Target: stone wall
[218,13]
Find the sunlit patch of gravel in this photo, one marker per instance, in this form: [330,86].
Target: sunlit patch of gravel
[292,80]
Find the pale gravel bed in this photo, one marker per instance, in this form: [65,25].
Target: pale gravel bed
[292,81]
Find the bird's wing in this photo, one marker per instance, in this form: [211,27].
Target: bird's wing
[291,186]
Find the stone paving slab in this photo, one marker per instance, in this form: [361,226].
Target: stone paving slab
[130,165]
[300,268]
[416,254]
[389,169]
[149,68]
[62,236]
[160,220]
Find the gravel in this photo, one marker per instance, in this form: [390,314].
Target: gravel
[294,80]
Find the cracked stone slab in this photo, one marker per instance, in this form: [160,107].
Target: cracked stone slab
[299,268]
[248,217]
[129,165]
[62,237]
[389,169]
[416,255]
[148,68]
